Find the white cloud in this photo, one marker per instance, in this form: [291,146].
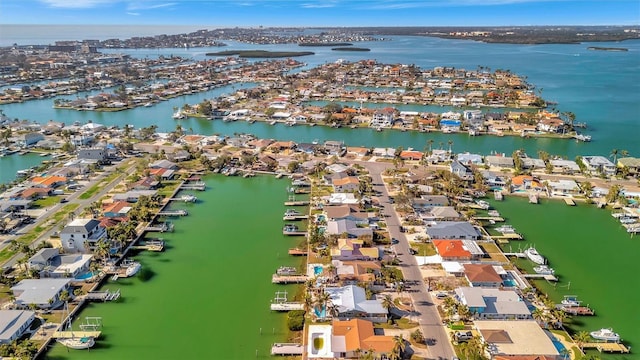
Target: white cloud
[321,5]
[409,4]
[147,5]
[133,13]
[75,4]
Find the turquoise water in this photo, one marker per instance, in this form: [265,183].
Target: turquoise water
[85,276]
[317,270]
[10,164]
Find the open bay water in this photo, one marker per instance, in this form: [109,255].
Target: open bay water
[593,257]
[208,294]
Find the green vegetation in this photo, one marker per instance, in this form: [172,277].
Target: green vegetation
[295,320]
[402,323]
[46,202]
[260,53]
[95,188]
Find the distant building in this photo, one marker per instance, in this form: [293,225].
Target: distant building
[81,235]
[98,154]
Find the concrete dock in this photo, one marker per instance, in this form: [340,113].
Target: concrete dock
[287,349]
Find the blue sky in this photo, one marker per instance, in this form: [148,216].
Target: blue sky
[223,13]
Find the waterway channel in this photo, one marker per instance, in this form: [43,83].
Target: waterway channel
[207,295]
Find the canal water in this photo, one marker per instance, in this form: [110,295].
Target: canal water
[593,256]
[207,295]
[10,164]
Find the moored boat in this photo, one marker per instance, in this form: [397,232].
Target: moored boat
[570,301]
[286,270]
[534,256]
[77,343]
[543,270]
[605,335]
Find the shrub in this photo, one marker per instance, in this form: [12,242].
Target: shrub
[295,320]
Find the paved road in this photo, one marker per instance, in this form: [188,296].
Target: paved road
[426,312]
[72,199]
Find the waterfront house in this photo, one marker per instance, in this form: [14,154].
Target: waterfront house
[438,156]
[356,271]
[561,166]
[426,202]
[164,174]
[133,195]
[526,183]
[439,213]
[599,164]
[504,162]
[29,139]
[43,258]
[353,249]
[97,154]
[453,230]
[333,147]
[383,118]
[351,302]
[81,235]
[493,304]
[50,181]
[117,209]
[353,337]
[533,164]
[564,187]
[340,199]
[13,323]
[35,193]
[631,164]
[163,164]
[516,340]
[146,183]
[386,153]
[469,159]
[411,155]
[44,293]
[346,212]
[462,171]
[69,266]
[482,275]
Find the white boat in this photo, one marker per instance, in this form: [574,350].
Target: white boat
[131,268]
[188,198]
[605,335]
[286,270]
[534,256]
[291,212]
[570,301]
[543,270]
[483,204]
[178,115]
[506,229]
[77,343]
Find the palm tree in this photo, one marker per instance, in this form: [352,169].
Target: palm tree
[614,155]
[582,338]
[398,345]
[450,142]
[387,303]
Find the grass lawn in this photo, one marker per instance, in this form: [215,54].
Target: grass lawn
[403,324]
[423,249]
[46,202]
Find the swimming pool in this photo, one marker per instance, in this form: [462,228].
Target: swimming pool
[85,276]
[558,344]
[317,270]
[509,283]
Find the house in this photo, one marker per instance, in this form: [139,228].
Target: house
[462,171]
[13,324]
[356,271]
[146,183]
[348,184]
[493,304]
[516,340]
[350,338]
[340,198]
[51,181]
[504,162]
[469,159]
[386,153]
[533,163]
[383,118]
[164,164]
[568,167]
[70,266]
[81,235]
[44,293]
[164,174]
[599,164]
[30,138]
[426,202]
[133,195]
[351,302]
[352,249]
[346,212]
[564,187]
[411,155]
[440,213]
[42,259]
[117,209]
[453,230]
[452,250]
[482,275]
[526,183]
[333,147]
[630,163]
[97,154]
[35,193]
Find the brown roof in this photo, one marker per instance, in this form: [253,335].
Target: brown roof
[496,336]
[481,273]
[359,334]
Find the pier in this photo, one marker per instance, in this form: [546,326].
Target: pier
[506,237]
[297,252]
[288,279]
[102,295]
[287,349]
[78,334]
[489,218]
[152,245]
[516,254]
[547,277]
[294,233]
[173,213]
[199,186]
[569,202]
[296,203]
[609,347]
[162,227]
[184,198]
[577,310]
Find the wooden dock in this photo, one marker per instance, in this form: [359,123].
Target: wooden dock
[509,236]
[173,213]
[287,349]
[569,202]
[547,277]
[296,203]
[163,227]
[288,279]
[577,310]
[609,347]
[516,254]
[489,218]
[297,252]
[156,246]
[287,306]
[200,186]
[78,334]
[294,233]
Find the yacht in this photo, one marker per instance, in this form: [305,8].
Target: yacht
[606,335]
[570,300]
[506,229]
[131,268]
[291,212]
[286,270]
[178,115]
[534,256]
[543,270]
[77,343]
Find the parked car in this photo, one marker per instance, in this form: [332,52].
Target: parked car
[441,295]
[64,200]
[463,336]
[394,241]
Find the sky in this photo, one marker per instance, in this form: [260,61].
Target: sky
[268,13]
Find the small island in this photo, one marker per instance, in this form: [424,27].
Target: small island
[607,48]
[324,44]
[260,53]
[350,49]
